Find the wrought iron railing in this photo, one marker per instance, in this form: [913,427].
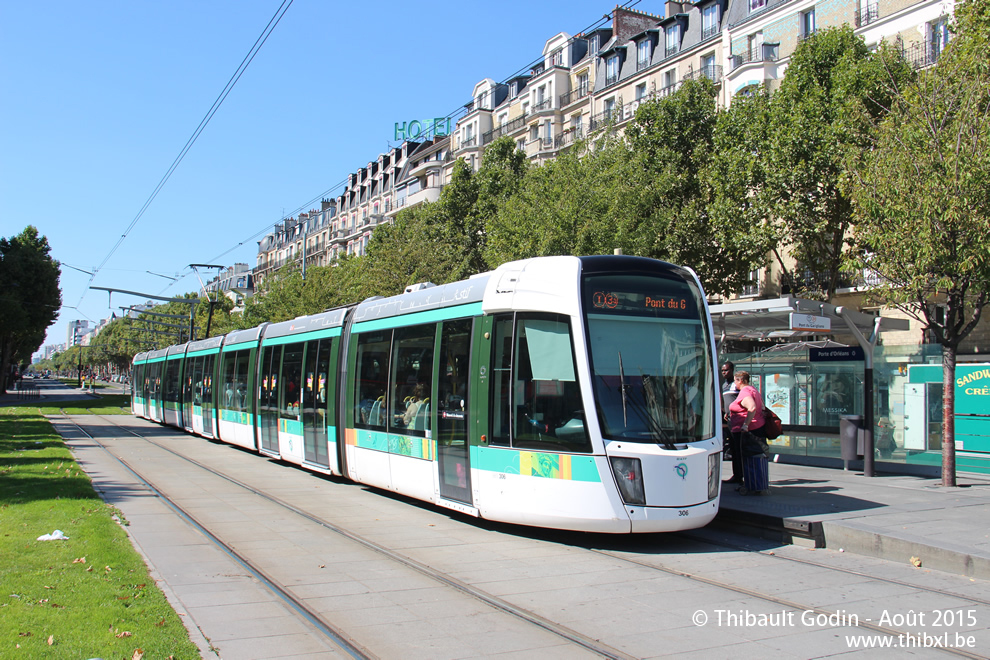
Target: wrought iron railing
[921,54]
[709,32]
[868,14]
[711,71]
[573,95]
[505,129]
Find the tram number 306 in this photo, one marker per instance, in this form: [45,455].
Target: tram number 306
[683,512]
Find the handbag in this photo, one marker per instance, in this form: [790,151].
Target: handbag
[773,426]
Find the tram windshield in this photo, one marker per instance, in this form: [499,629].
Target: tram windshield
[650,357]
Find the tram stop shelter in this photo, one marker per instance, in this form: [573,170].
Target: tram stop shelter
[796,318]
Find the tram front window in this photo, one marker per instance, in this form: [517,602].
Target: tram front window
[650,358]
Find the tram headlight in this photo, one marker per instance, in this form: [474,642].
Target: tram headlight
[629,476]
[714,473]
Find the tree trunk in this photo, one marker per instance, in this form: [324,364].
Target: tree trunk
[948,416]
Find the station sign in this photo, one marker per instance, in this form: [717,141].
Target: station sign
[810,322]
[416,129]
[837,354]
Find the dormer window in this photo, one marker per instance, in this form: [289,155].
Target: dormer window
[673,40]
[612,69]
[557,58]
[709,22]
[642,54]
[593,45]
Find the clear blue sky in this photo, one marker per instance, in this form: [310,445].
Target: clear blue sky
[97,99]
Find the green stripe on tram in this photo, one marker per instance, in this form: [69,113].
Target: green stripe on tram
[417,318]
[322,333]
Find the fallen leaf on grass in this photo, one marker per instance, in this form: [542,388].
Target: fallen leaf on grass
[138,654]
[51,640]
[123,634]
[24,634]
[161,624]
[81,560]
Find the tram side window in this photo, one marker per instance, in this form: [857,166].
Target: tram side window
[371,370]
[235,380]
[208,379]
[412,379]
[171,393]
[538,394]
[291,369]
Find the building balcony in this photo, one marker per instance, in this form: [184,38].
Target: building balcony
[921,54]
[573,95]
[543,108]
[567,138]
[602,120]
[423,195]
[766,53]
[713,72]
[670,51]
[469,143]
[868,14]
[427,166]
[709,32]
[507,128]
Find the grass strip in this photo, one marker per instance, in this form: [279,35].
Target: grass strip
[86,597]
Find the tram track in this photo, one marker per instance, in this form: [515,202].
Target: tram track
[532,618]
[327,628]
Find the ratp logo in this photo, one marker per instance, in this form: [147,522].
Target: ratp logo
[681,469]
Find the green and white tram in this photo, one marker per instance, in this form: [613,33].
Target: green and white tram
[563,392]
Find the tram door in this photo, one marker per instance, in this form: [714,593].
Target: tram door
[315,401]
[452,412]
[206,393]
[271,361]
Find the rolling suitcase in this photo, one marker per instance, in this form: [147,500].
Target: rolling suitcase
[756,475]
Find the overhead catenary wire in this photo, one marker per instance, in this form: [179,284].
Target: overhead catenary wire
[255,48]
[451,115]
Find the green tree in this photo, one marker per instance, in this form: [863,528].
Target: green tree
[672,143]
[570,205]
[819,119]
[737,176]
[923,204]
[30,297]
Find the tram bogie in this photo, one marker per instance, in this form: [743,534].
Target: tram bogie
[563,392]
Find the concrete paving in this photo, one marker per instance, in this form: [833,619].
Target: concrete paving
[889,516]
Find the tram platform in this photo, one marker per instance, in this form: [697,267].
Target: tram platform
[901,518]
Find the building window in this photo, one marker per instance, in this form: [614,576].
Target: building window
[608,108]
[708,67]
[640,91]
[709,21]
[582,82]
[669,78]
[673,39]
[755,47]
[612,70]
[534,132]
[576,121]
[502,117]
[808,23]
[521,144]
[593,45]
[557,58]
[642,54]
[938,36]
[755,5]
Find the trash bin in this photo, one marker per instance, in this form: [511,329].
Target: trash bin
[852,433]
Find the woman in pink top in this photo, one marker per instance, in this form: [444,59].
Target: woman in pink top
[746,412]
